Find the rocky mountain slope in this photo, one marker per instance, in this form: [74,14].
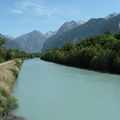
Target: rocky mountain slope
[94,26]
[31,42]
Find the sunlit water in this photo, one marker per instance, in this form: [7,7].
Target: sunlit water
[47,91]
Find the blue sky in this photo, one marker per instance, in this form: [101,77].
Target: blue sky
[21,16]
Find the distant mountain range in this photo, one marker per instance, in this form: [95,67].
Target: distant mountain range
[10,37]
[69,32]
[68,26]
[94,26]
[50,34]
[111,15]
[10,43]
[31,42]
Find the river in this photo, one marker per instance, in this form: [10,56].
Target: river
[48,91]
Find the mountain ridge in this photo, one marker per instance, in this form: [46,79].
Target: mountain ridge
[31,42]
[94,26]
[69,32]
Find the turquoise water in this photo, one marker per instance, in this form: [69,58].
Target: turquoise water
[47,91]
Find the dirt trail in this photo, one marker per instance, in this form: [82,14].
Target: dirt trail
[8,62]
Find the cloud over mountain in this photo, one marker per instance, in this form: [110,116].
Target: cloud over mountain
[41,8]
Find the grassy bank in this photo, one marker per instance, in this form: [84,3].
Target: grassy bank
[8,75]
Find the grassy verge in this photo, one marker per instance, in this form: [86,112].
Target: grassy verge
[8,75]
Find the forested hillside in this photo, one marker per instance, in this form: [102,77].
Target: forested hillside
[101,53]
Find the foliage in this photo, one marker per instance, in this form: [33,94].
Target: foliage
[7,102]
[100,53]
[8,54]
[15,72]
[2,41]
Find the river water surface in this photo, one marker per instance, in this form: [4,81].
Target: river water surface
[47,91]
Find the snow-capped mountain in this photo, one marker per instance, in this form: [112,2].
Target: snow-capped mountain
[111,15]
[49,34]
[10,37]
[80,22]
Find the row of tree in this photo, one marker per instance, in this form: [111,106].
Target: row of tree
[8,54]
[101,53]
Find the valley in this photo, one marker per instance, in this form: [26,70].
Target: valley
[69,73]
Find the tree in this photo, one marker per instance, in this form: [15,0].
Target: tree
[2,41]
[117,35]
[100,52]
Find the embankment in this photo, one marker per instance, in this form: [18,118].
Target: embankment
[8,74]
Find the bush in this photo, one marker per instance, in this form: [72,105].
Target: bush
[15,72]
[7,102]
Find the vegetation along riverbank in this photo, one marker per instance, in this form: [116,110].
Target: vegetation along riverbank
[8,74]
[100,53]
[10,63]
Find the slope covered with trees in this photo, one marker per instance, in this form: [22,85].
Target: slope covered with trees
[101,53]
[8,54]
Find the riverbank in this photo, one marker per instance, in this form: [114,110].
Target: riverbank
[8,74]
[98,53]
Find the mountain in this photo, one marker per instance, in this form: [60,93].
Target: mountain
[49,34]
[62,30]
[2,36]
[10,37]
[111,15]
[94,26]
[68,26]
[10,43]
[31,42]
[80,22]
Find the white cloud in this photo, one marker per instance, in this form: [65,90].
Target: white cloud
[34,7]
[40,8]
[17,11]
